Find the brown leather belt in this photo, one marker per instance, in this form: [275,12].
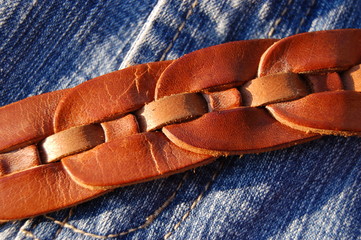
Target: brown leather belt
[152,120]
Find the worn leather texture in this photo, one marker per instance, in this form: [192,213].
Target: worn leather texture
[151,120]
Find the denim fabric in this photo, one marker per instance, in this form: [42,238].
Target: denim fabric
[310,191]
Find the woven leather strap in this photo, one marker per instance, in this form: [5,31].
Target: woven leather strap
[152,120]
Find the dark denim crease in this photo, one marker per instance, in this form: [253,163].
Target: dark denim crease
[309,191]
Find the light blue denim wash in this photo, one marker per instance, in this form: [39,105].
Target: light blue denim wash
[310,191]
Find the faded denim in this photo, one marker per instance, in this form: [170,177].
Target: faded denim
[310,191]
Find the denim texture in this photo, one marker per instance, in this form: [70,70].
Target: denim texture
[310,191]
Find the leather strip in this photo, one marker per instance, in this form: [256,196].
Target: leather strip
[222,100]
[338,113]
[134,159]
[302,53]
[169,110]
[352,78]
[71,141]
[280,87]
[155,119]
[19,160]
[36,115]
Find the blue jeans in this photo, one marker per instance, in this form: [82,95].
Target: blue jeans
[310,191]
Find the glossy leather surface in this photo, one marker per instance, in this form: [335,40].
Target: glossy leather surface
[278,109]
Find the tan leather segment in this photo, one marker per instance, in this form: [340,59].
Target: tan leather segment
[313,52]
[39,190]
[95,129]
[169,110]
[122,127]
[325,82]
[227,99]
[352,78]
[130,160]
[336,113]
[70,141]
[273,88]
[109,96]
[210,69]
[28,121]
[256,131]
[19,160]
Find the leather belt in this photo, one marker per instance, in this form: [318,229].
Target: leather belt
[155,119]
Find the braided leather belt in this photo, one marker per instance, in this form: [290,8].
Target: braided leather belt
[152,120]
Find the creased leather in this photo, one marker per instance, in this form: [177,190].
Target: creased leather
[253,96]
[121,127]
[208,68]
[338,113]
[256,131]
[40,190]
[28,120]
[109,96]
[313,52]
[18,160]
[132,159]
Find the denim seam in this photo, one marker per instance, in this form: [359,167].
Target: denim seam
[29,234]
[278,20]
[148,221]
[23,225]
[127,59]
[70,213]
[313,3]
[148,24]
[179,29]
[197,200]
